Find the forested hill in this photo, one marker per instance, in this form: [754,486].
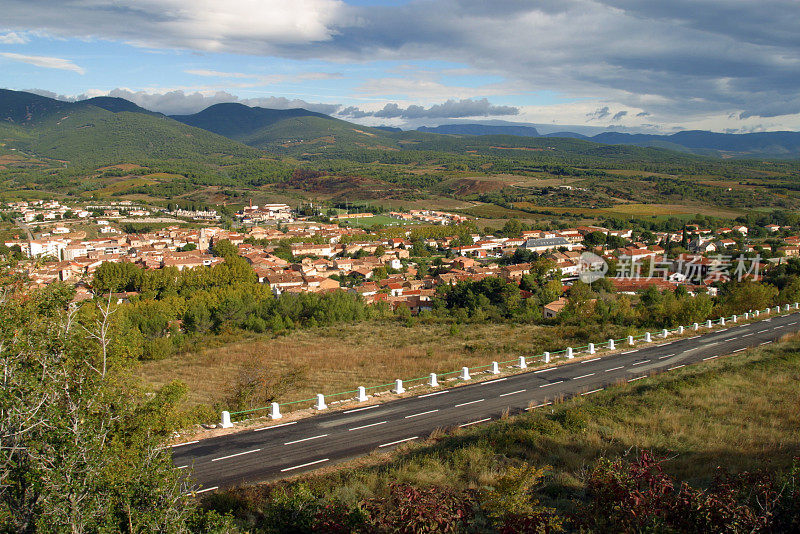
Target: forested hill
[103,131]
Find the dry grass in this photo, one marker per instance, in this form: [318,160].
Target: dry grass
[339,358]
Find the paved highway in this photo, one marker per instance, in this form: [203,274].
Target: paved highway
[282,449]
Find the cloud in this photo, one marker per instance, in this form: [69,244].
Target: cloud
[643,114]
[13,38]
[45,62]
[450,109]
[598,114]
[619,115]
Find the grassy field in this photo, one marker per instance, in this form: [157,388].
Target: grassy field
[339,358]
[737,413]
[377,219]
[637,210]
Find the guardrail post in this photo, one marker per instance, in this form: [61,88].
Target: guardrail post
[225,421]
[362,394]
[664,333]
[709,323]
[569,353]
[722,321]
[465,373]
[320,405]
[647,337]
[696,326]
[611,344]
[523,364]
[777,309]
[398,386]
[734,318]
[746,316]
[275,411]
[630,340]
[766,311]
[591,348]
[796,305]
[680,330]
[546,357]
[755,313]
[432,381]
[495,368]
[786,307]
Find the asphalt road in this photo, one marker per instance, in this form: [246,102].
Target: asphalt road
[283,449]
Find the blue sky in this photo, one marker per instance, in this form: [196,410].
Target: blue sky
[723,65]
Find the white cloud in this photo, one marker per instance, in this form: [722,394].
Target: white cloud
[13,38]
[45,62]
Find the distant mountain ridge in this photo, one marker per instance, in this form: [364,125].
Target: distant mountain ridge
[780,144]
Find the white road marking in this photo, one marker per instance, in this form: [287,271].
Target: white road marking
[366,426]
[710,358]
[762,331]
[187,443]
[305,439]
[615,368]
[304,465]
[676,367]
[514,392]
[712,344]
[434,393]
[538,406]
[765,343]
[750,334]
[740,350]
[545,370]
[398,441]
[421,413]
[274,426]
[593,391]
[665,356]
[550,384]
[234,455]
[640,363]
[204,490]
[583,376]
[493,381]
[182,467]
[630,351]
[592,360]
[475,422]
[693,337]
[470,402]
[361,409]
[637,378]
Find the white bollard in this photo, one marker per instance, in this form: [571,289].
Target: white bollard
[746,316]
[523,364]
[630,340]
[722,321]
[275,411]
[777,309]
[611,344]
[320,405]
[680,330]
[398,386]
[433,381]
[708,323]
[766,310]
[647,337]
[465,373]
[664,333]
[362,394]
[786,307]
[696,326]
[756,313]
[495,368]
[591,348]
[734,318]
[546,357]
[226,420]
[569,353]
[796,305]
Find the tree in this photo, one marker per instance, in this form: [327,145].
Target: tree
[224,248]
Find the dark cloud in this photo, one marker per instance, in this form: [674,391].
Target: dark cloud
[619,115]
[680,58]
[643,114]
[451,109]
[598,114]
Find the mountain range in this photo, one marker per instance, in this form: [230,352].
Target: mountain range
[106,129]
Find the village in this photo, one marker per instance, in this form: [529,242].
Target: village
[324,256]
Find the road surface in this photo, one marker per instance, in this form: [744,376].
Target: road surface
[283,449]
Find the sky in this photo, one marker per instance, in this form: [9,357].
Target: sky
[632,65]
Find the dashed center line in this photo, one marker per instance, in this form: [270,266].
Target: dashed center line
[419,414]
[514,392]
[640,362]
[550,384]
[305,439]
[234,455]
[304,465]
[676,367]
[750,334]
[367,426]
[740,350]
[665,356]
[470,402]
[583,376]
[615,368]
